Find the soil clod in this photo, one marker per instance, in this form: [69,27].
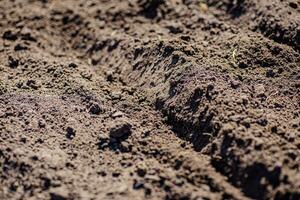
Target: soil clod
[120,128]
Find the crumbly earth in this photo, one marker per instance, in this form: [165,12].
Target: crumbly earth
[149,99]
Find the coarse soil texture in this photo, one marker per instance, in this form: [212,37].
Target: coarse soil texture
[149,99]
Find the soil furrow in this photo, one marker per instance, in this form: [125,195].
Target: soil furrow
[81,81]
[204,131]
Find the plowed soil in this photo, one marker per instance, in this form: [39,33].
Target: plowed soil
[150,99]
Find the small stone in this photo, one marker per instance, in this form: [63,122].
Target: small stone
[120,129]
[70,133]
[95,109]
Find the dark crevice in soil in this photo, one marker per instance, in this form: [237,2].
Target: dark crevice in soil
[249,179]
[198,134]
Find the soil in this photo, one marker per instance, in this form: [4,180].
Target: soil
[149,99]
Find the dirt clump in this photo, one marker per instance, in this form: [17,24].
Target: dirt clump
[120,128]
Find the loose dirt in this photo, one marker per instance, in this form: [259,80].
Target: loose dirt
[149,99]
